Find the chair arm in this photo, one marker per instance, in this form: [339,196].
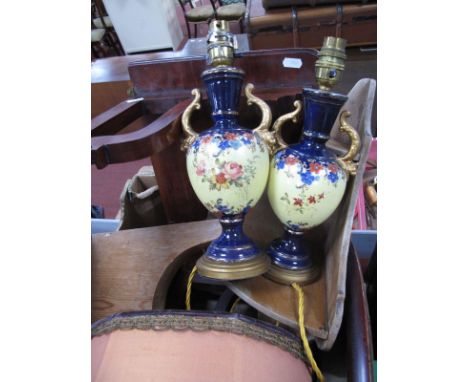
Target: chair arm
[117,117]
[139,144]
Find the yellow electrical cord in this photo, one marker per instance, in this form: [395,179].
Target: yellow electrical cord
[300,312]
[189,287]
[234,305]
[305,342]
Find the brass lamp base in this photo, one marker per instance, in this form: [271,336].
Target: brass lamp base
[221,270]
[287,276]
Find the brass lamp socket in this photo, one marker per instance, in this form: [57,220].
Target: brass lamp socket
[219,26]
[330,65]
[221,44]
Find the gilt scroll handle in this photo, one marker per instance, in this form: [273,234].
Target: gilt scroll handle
[346,161]
[265,123]
[190,134]
[280,143]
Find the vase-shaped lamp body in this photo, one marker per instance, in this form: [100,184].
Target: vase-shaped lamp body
[306,185]
[228,169]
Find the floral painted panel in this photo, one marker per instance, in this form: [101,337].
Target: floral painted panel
[228,170]
[309,171]
[228,140]
[304,192]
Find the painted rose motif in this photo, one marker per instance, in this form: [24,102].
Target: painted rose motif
[227,168]
[200,170]
[291,160]
[225,174]
[233,170]
[230,136]
[220,178]
[206,139]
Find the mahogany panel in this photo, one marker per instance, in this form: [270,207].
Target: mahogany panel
[105,95]
[264,68]
[180,202]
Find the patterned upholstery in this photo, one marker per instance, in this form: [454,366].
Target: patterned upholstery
[97,34]
[231,12]
[201,13]
[107,21]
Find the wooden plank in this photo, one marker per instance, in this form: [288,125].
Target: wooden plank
[279,302]
[132,269]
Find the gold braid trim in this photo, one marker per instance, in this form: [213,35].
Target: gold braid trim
[200,323]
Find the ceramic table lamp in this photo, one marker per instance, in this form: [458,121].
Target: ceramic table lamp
[307,180]
[228,164]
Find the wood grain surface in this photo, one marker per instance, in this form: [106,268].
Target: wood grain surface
[131,270]
[280,302]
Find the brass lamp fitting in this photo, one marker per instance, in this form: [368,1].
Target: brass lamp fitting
[330,65]
[221,44]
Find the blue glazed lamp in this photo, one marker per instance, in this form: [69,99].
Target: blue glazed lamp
[307,181]
[228,169]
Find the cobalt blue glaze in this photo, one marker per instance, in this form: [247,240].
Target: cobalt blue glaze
[290,251]
[223,86]
[320,112]
[321,108]
[233,244]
